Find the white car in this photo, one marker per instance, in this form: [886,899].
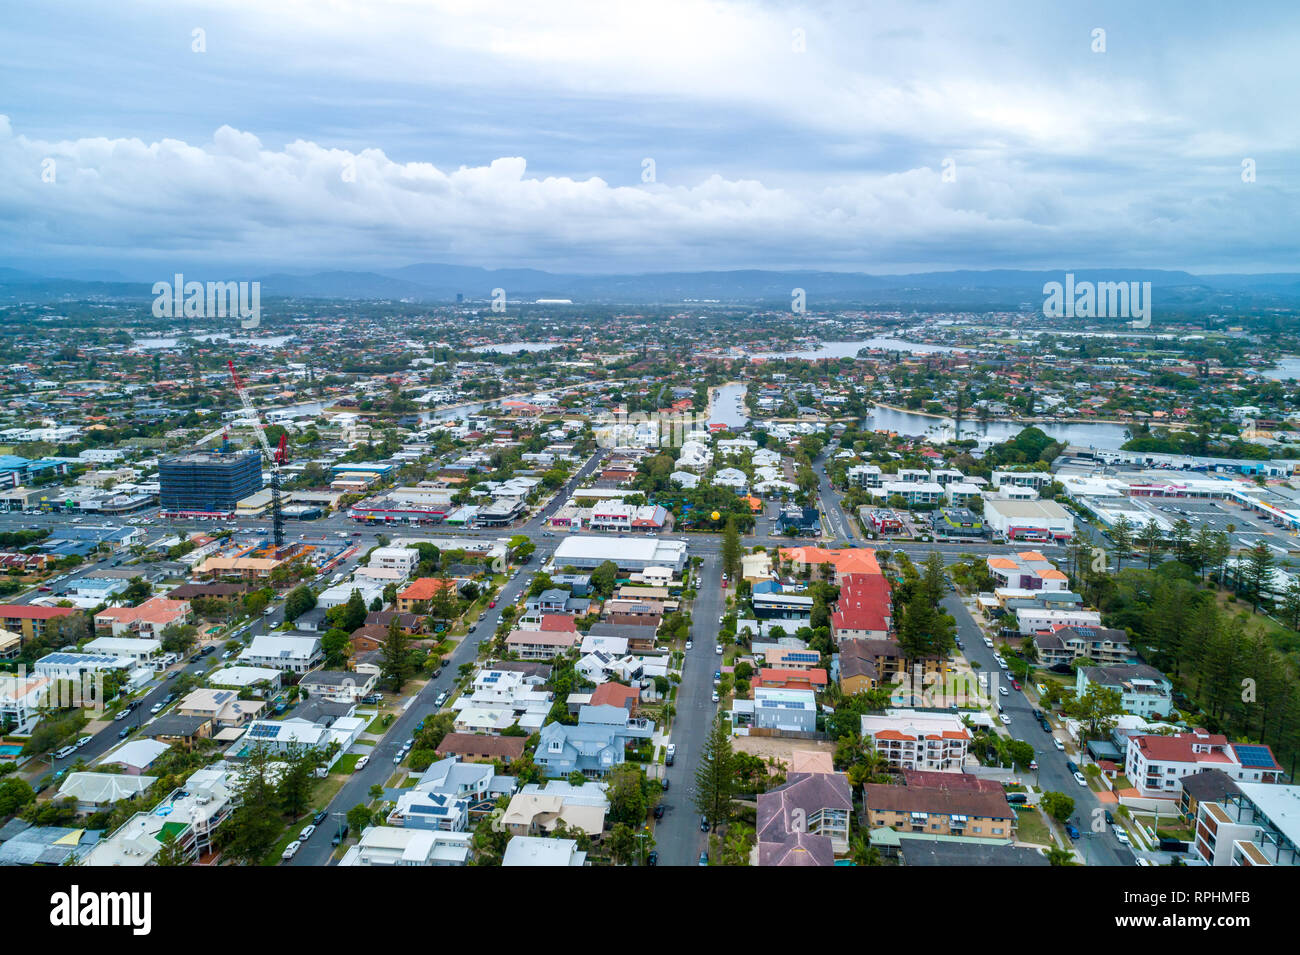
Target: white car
[291,850]
[306,833]
[988,642]
[1120,833]
[717,648]
[689,644]
[157,708]
[1006,720]
[82,741]
[1003,690]
[1078,778]
[1059,745]
[715,697]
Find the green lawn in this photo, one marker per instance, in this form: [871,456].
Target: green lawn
[347,764]
[1031,827]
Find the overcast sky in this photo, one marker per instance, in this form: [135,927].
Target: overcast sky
[379,133]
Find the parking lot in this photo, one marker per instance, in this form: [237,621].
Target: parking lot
[1249,527]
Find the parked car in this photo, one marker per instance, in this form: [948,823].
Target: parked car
[1079,778]
[361,763]
[1003,691]
[82,741]
[652,858]
[1072,830]
[124,714]
[665,784]
[442,698]
[306,833]
[492,604]
[124,732]
[670,753]
[717,648]
[704,858]
[689,644]
[660,809]
[1121,834]
[320,817]
[340,834]
[291,850]
[704,824]
[1059,745]
[715,696]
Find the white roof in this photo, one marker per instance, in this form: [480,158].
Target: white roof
[138,753]
[104,787]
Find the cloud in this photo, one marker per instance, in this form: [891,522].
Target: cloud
[370,133]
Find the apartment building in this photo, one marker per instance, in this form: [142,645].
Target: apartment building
[1102,645]
[940,811]
[915,739]
[1259,825]
[1143,690]
[1156,764]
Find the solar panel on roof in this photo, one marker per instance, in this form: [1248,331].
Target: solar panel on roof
[1255,756]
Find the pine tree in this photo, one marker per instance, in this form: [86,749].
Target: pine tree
[731,549]
[1121,540]
[395,660]
[715,778]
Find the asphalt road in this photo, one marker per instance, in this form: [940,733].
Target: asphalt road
[678,836]
[1053,774]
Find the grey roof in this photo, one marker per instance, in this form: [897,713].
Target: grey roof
[797,849]
[172,724]
[918,850]
[36,846]
[1209,785]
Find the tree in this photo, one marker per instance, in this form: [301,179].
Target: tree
[395,660]
[359,818]
[296,779]
[926,630]
[354,612]
[731,549]
[298,602]
[254,826]
[1258,572]
[622,843]
[715,778]
[336,645]
[1097,710]
[604,577]
[627,794]
[1057,805]
[1121,540]
[1058,856]
[14,794]
[171,853]
[1151,542]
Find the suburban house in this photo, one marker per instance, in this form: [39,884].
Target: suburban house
[536,810]
[338,686]
[594,746]
[540,851]
[295,654]
[792,711]
[387,846]
[223,707]
[817,803]
[477,748]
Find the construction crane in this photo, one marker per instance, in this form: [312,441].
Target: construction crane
[276,458]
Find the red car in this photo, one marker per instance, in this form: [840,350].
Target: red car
[1015,684]
[492,604]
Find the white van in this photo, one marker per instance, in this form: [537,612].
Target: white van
[65,752]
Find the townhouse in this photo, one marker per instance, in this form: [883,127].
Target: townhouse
[1156,764]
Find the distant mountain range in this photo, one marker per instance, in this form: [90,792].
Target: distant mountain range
[433,283]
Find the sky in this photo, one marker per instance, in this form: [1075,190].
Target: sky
[141,138]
